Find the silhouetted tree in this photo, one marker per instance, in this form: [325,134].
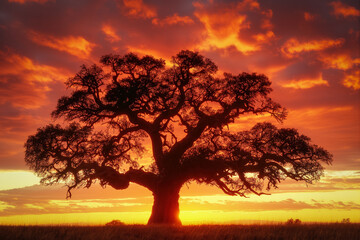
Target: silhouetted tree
[345,220]
[184,112]
[292,221]
[115,223]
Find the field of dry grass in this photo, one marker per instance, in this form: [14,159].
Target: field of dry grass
[208,232]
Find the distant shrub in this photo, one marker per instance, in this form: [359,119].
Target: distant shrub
[345,220]
[292,221]
[115,223]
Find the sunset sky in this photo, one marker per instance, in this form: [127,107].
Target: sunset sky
[309,50]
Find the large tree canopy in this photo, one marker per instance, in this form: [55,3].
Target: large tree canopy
[184,113]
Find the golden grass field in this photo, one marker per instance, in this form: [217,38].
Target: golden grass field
[208,232]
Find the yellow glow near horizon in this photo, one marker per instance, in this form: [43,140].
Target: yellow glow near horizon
[343,195]
[243,217]
[187,217]
[199,204]
[17,179]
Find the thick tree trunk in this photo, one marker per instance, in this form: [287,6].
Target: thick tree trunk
[166,207]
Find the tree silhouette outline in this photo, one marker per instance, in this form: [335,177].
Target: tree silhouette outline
[184,112]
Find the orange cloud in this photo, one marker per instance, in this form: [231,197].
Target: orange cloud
[16,65]
[172,20]
[250,4]
[352,80]
[23,95]
[26,82]
[305,83]
[341,61]
[293,47]
[341,9]
[242,25]
[308,16]
[266,23]
[222,30]
[139,9]
[74,45]
[110,33]
[264,37]
[318,112]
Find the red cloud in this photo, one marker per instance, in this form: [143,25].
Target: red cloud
[139,9]
[341,9]
[25,1]
[74,45]
[172,20]
[293,47]
[110,33]
[222,29]
[25,81]
[339,61]
[352,80]
[308,16]
[305,83]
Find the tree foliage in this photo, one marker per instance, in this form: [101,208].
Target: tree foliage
[184,112]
